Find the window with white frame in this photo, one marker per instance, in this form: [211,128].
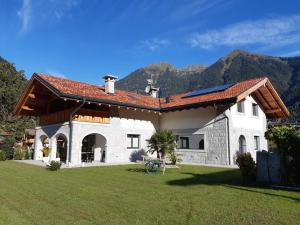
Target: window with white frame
[133,141]
[254,109]
[256,143]
[184,143]
[241,107]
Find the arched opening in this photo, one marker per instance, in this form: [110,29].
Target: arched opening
[242,144]
[93,148]
[61,147]
[45,141]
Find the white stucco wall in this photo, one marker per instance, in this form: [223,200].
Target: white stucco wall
[122,122]
[211,123]
[248,125]
[186,119]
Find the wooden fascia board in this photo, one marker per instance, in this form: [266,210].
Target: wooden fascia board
[251,90]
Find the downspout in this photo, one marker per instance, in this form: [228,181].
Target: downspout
[71,128]
[228,137]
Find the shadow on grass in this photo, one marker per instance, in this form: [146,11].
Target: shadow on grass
[262,192]
[137,170]
[229,178]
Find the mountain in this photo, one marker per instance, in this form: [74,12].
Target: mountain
[167,77]
[284,74]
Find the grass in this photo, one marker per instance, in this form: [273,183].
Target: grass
[126,195]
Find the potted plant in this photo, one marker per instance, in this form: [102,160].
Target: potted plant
[46,152]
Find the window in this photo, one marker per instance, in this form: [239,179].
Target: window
[133,141]
[184,143]
[256,143]
[240,107]
[242,144]
[254,109]
[201,142]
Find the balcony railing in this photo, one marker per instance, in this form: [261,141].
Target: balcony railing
[83,115]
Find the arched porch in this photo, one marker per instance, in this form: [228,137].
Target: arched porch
[93,148]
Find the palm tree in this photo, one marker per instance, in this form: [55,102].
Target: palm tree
[162,142]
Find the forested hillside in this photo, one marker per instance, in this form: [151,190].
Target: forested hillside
[12,83]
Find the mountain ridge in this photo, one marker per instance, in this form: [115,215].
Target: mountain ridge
[238,65]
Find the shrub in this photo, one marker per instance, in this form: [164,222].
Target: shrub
[27,154]
[153,165]
[2,155]
[247,167]
[137,155]
[19,154]
[8,147]
[175,158]
[46,151]
[54,165]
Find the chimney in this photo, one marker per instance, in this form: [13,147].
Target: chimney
[110,83]
[154,92]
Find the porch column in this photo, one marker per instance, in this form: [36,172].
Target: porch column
[53,146]
[97,149]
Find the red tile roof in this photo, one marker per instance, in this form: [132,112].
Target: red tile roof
[82,90]
[228,94]
[95,92]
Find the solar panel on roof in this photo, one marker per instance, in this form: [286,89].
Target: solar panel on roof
[208,90]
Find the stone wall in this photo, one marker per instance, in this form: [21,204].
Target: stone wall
[215,139]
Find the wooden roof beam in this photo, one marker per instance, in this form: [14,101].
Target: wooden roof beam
[25,107]
[277,99]
[278,110]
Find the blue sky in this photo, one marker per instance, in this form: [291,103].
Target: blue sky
[85,39]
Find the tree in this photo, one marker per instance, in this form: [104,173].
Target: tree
[286,142]
[12,83]
[162,142]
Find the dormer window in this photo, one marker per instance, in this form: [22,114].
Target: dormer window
[241,107]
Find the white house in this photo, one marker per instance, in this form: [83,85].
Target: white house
[81,122]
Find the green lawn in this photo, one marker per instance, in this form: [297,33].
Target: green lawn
[126,195]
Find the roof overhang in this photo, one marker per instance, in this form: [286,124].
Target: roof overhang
[263,92]
[267,97]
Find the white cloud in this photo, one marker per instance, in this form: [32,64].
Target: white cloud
[33,13]
[273,32]
[155,44]
[25,15]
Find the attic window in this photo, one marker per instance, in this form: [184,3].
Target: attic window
[254,109]
[241,107]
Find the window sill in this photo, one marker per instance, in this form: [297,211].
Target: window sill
[190,150]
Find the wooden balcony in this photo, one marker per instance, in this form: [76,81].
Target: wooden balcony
[83,115]
[92,116]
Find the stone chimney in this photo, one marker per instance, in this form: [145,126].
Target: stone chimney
[110,83]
